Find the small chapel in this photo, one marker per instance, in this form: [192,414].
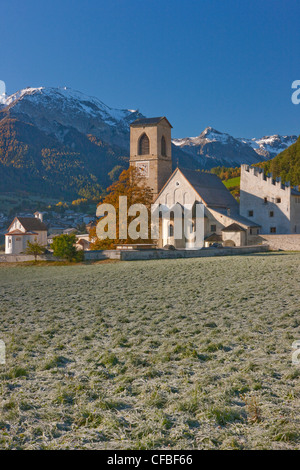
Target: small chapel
[151,153]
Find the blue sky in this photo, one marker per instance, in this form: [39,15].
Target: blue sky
[223,63]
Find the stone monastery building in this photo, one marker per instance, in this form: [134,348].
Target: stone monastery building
[266,206]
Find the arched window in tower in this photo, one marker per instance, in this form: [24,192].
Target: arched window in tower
[144,145]
[163,146]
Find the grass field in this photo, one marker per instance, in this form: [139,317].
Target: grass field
[233,182]
[179,354]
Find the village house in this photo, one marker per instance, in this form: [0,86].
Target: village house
[24,229]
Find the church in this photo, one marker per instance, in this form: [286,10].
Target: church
[226,222]
[151,153]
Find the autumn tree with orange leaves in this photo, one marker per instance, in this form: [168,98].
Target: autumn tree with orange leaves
[132,185]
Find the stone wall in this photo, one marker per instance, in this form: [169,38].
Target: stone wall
[277,242]
[132,255]
[22,258]
[98,255]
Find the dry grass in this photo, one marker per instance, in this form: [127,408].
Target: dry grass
[184,354]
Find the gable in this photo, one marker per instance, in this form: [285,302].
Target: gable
[177,190]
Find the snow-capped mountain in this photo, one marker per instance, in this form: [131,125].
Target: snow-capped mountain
[269,146]
[212,146]
[50,108]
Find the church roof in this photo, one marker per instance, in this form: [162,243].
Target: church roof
[211,189]
[149,121]
[233,228]
[31,224]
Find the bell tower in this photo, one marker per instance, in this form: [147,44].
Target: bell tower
[151,151]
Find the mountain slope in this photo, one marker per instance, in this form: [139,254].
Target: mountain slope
[61,143]
[48,108]
[31,160]
[286,164]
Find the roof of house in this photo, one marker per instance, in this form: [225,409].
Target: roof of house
[214,238]
[149,121]
[239,219]
[19,232]
[211,189]
[295,192]
[31,224]
[233,228]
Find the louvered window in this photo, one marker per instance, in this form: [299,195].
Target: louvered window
[144,145]
[163,146]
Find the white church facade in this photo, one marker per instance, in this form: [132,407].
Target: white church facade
[221,210]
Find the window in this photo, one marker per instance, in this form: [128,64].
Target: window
[250,213]
[163,146]
[144,145]
[9,241]
[265,200]
[273,230]
[278,200]
[171,230]
[271,214]
[213,228]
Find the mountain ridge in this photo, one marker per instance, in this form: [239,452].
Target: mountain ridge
[60,141]
[207,142]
